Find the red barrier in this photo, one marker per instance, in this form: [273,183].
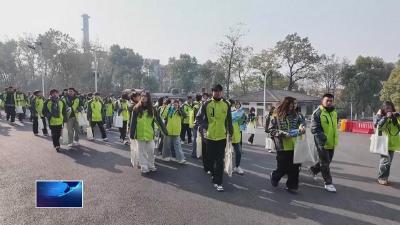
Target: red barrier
[349,126]
[362,127]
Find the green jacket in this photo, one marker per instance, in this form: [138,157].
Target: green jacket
[55,119]
[38,104]
[20,99]
[324,127]
[188,110]
[109,108]
[95,110]
[142,126]
[215,119]
[173,120]
[121,106]
[391,128]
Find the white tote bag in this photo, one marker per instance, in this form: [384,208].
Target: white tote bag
[379,144]
[82,120]
[269,143]
[302,151]
[134,153]
[89,133]
[251,128]
[18,110]
[28,113]
[40,123]
[119,121]
[228,167]
[198,145]
[64,135]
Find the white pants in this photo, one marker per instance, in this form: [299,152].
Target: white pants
[146,154]
[134,153]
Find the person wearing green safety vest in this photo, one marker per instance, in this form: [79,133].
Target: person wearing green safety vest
[285,125]
[388,124]
[37,103]
[20,102]
[215,121]
[196,107]
[142,130]
[173,116]
[95,111]
[109,104]
[122,108]
[9,98]
[55,111]
[187,108]
[74,107]
[159,106]
[324,123]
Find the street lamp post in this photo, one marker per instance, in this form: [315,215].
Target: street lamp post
[41,56]
[95,70]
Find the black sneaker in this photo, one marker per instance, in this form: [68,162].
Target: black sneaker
[58,148]
[291,191]
[273,183]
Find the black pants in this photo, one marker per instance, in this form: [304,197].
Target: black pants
[101,127]
[285,166]
[122,131]
[35,125]
[186,129]
[206,160]
[251,138]
[216,154]
[323,166]
[56,134]
[10,113]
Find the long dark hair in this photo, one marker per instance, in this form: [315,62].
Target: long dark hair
[140,107]
[284,108]
[385,105]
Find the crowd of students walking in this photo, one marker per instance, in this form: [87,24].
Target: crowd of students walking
[208,123]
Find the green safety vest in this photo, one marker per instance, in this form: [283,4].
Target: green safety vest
[393,133]
[329,123]
[216,112]
[56,121]
[96,107]
[145,127]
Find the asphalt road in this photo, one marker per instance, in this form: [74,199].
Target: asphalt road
[116,193]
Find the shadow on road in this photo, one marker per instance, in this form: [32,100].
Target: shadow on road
[254,191]
[96,159]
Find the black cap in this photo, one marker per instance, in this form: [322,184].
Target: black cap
[217,87]
[36,92]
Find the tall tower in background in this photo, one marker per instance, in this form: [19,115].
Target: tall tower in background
[85,29]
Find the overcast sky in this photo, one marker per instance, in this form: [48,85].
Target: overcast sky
[164,28]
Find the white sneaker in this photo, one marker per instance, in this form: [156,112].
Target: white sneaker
[76,143]
[182,161]
[208,172]
[182,142]
[219,188]
[238,170]
[70,145]
[105,139]
[121,140]
[153,169]
[166,159]
[271,151]
[330,188]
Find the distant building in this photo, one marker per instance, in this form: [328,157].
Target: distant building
[255,99]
